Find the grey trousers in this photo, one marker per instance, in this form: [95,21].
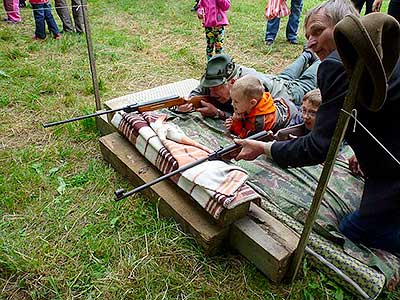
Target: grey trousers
[65,17]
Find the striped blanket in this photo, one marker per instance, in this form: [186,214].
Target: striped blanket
[215,185]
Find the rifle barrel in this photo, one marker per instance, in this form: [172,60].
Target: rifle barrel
[121,194]
[154,104]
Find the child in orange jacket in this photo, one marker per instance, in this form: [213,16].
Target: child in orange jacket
[255,110]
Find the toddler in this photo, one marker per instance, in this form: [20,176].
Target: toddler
[255,110]
[213,16]
[42,13]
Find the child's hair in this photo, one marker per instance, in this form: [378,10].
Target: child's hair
[248,87]
[314,96]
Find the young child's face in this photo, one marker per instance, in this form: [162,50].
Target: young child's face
[241,105]
[309,112]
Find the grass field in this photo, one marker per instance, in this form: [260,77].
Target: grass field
[61,234]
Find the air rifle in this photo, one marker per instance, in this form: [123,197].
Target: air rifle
[156,104]
[218,154]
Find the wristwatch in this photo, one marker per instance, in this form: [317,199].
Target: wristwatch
[217,113]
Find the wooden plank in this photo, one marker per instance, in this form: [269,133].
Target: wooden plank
[264,241]
[172,200]
[103,126]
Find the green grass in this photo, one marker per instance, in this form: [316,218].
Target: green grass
[61,234]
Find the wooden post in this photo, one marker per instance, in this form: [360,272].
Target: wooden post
[88,35]
[336,141]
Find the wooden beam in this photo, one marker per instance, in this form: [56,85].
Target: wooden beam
[264,241]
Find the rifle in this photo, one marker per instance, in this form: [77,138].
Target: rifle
[218,154]
[156,104]
[285,134]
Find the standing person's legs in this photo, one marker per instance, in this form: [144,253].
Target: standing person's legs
[219,33]
[358,4]
[394,9]
[51,23]
[78,16]
[38,14]
[210,40]
[368,6]
[272,30]
[63,14]
[12,9]
[294,19]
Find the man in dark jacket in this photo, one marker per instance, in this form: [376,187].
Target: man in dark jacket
[377,222]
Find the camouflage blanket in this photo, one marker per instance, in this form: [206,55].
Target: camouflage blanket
[215,185]
[287,195]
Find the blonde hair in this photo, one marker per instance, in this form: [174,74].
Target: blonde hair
[335,10]
[248,87]
[314,97]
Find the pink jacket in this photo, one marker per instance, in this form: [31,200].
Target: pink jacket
[213,12]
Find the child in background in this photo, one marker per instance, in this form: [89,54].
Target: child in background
[255,110]
[12,10]
[213,15]
[42,13]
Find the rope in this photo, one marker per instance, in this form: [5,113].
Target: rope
[353,114]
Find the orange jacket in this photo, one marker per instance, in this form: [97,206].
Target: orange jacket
[261,117]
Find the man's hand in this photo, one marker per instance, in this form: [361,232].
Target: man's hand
[252,149]
[354,166]
[207,109]
[185,108]
[228,123]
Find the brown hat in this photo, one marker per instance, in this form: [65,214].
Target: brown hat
[374,39]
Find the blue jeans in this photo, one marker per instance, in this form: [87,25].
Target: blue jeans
[301,78]
[42,13]
[292,25]
[367,231]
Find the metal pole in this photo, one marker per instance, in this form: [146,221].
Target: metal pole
[337,139]
[91,54]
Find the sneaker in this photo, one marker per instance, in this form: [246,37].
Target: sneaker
[269,42]
[294,41]
[57,36]
[310,55]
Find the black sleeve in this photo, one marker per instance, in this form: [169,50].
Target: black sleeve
[312,148]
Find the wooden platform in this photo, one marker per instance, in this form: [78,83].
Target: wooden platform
[258,236]
[172,200]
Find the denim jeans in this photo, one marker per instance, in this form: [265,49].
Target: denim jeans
[297,79]
[292,25]
[363,230]
[42,13]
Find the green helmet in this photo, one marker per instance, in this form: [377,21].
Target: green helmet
[220,68]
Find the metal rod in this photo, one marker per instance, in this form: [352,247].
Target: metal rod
[91,54]
[337,139]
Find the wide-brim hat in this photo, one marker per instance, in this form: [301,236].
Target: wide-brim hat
[375,40]
[219,70]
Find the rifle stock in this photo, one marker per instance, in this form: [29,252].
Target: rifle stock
[165,102]
[218,154]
